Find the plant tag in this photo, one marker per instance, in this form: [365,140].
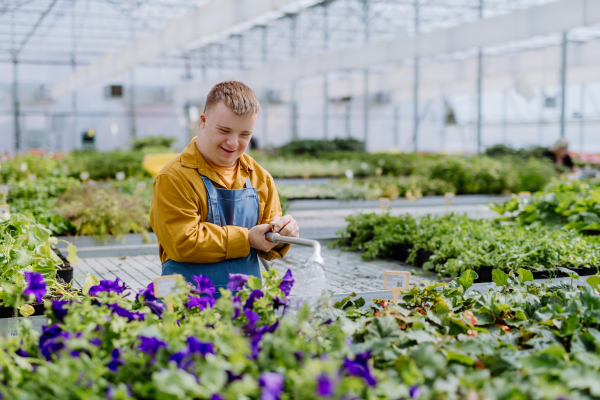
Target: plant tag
[120,176]
[164,286]
[396,280]
[379,171]
[4,189]
[383,203]
[525,195]
[4,209]
[84,176]
[449,197]
[11,328]
[349,174]
[23,167]
[141,186]
[31,177]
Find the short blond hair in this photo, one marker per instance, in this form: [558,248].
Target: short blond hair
[238,97]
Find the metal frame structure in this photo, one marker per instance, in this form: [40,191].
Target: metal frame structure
[339,49]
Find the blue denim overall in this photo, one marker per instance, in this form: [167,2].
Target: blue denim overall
[225,207]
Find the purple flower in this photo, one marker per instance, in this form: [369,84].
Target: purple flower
[237,306]
[51,340]
[272,384]
[359,367]
[256,294]
[106,286]
[251,316]
[21,353]
[414,392]
[148,293]
[255,339]
[35,285]
[115,361]
[204,285]
[155,306]
[201,302]
[287,282]
[198,347]
[151,345]
[237,281]
[95,341]
[59,311]
[122,312]
[217,397]
[324,386]
[180,356]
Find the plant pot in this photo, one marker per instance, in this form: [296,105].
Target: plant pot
[401,251]
[9,312]
[66,272]
[423,256]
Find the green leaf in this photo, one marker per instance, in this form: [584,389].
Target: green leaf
[570,326]
[72,257]
[90,281]
[594,281]
[461,358]
[571,274]
[21,258]
[499,277]
[467,278]
[254,283]
[524,275]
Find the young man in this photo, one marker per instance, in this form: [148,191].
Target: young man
[213,204]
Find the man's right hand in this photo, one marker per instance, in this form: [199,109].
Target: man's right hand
[256,238]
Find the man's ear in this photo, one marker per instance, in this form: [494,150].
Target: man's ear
[202,121]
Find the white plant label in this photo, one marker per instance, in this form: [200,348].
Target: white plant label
[4,189]
[31,177]
[11,328]
[164,286]
[449,197]
[4,209]
[23,167]
[141,186]
[120,176]
[396,280]
[84,176]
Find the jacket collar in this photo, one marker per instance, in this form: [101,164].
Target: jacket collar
[191,158]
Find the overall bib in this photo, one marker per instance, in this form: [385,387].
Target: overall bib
[238,207]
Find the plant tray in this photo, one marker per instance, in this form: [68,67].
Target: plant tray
[65,273]
[9,312]
[485,273]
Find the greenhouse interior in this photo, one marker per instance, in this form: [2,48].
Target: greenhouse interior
[300,199]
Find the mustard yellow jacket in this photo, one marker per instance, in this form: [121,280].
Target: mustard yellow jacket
[180,206]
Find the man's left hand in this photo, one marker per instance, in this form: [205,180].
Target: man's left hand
[285,226]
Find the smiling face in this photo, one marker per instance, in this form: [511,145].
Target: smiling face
[224,135]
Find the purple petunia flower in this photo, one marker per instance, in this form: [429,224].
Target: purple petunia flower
[155,306]
[151,345]
[256,294]
[251,316]
[123,312]
[324,386]
[201,302]
[58,309]
[237,306]
[179,357]
[237,281]
[115,361]
[106,286]
[204,285]
[198,347]
[21,353]
[272,384]
[148,293]
[359,367]
[287,282]
[95,341]
[217,397]
[35,285]
[51,340]
[414,392]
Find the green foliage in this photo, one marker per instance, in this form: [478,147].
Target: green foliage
[42,166]
[40,189]
[100,212]
[316,147]
[25,245]
[153,141]
[105,165]
[501,150]
[460,243]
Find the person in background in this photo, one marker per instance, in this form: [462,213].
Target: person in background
[559,154]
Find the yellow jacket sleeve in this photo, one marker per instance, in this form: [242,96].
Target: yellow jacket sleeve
[272,209]
[180,228]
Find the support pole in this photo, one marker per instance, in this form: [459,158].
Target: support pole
[563,84]
[16,110]
[416,87]
[366,76]
[265,106]
[294,106]
[479,83]
[326,76]
[504,116]
[347,118]
[397,126]
[132,91]
[581,116]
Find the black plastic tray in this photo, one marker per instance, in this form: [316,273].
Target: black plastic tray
[9,312]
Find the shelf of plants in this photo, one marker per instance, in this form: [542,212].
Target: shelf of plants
[518,340]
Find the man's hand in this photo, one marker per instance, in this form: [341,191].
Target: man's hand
[256,238]
[285,226]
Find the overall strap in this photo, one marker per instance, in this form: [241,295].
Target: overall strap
[248,184]
[212,200]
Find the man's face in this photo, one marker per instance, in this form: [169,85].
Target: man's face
[223,135]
